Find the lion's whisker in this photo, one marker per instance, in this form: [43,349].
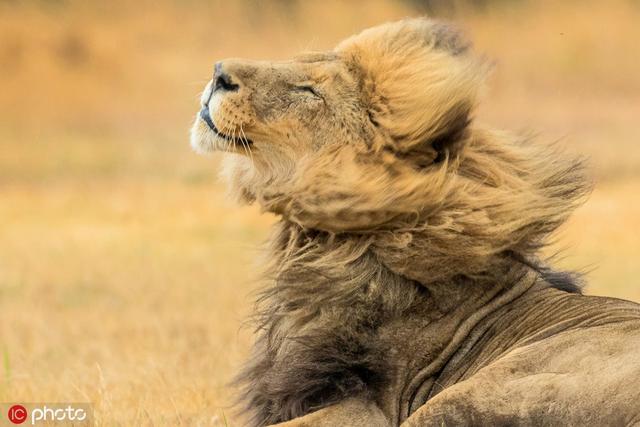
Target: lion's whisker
[246,140]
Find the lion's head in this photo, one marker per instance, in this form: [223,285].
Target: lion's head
[376,137]
[356,103]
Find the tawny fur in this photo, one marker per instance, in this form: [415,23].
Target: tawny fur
[406,227]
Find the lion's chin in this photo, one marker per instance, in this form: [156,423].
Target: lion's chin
[203,140]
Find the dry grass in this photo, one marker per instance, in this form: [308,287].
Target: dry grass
[124,273]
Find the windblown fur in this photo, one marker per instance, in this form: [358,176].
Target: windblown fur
[388,196]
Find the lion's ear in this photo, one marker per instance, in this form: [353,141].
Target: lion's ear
[441,144]
[420,83]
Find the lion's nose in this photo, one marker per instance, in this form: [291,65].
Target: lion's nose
[223,81]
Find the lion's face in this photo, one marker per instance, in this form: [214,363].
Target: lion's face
[276,112]
[299,134]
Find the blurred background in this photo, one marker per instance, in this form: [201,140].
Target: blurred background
[125,274]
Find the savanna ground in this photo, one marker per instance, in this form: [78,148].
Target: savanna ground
[125,275]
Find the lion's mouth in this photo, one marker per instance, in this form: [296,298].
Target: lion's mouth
[206,116]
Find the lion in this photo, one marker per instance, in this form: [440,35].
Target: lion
[406,284]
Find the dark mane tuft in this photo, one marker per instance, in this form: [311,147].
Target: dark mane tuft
[563,280]
[567,281]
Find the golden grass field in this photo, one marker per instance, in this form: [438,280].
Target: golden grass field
[126,275]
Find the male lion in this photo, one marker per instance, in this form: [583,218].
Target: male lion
[406,282]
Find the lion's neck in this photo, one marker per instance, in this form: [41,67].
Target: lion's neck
[315,267]
[475,302]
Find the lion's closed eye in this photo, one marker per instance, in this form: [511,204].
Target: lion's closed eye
[308,90]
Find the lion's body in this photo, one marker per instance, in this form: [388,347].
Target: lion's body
[406,284]
[513,350]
